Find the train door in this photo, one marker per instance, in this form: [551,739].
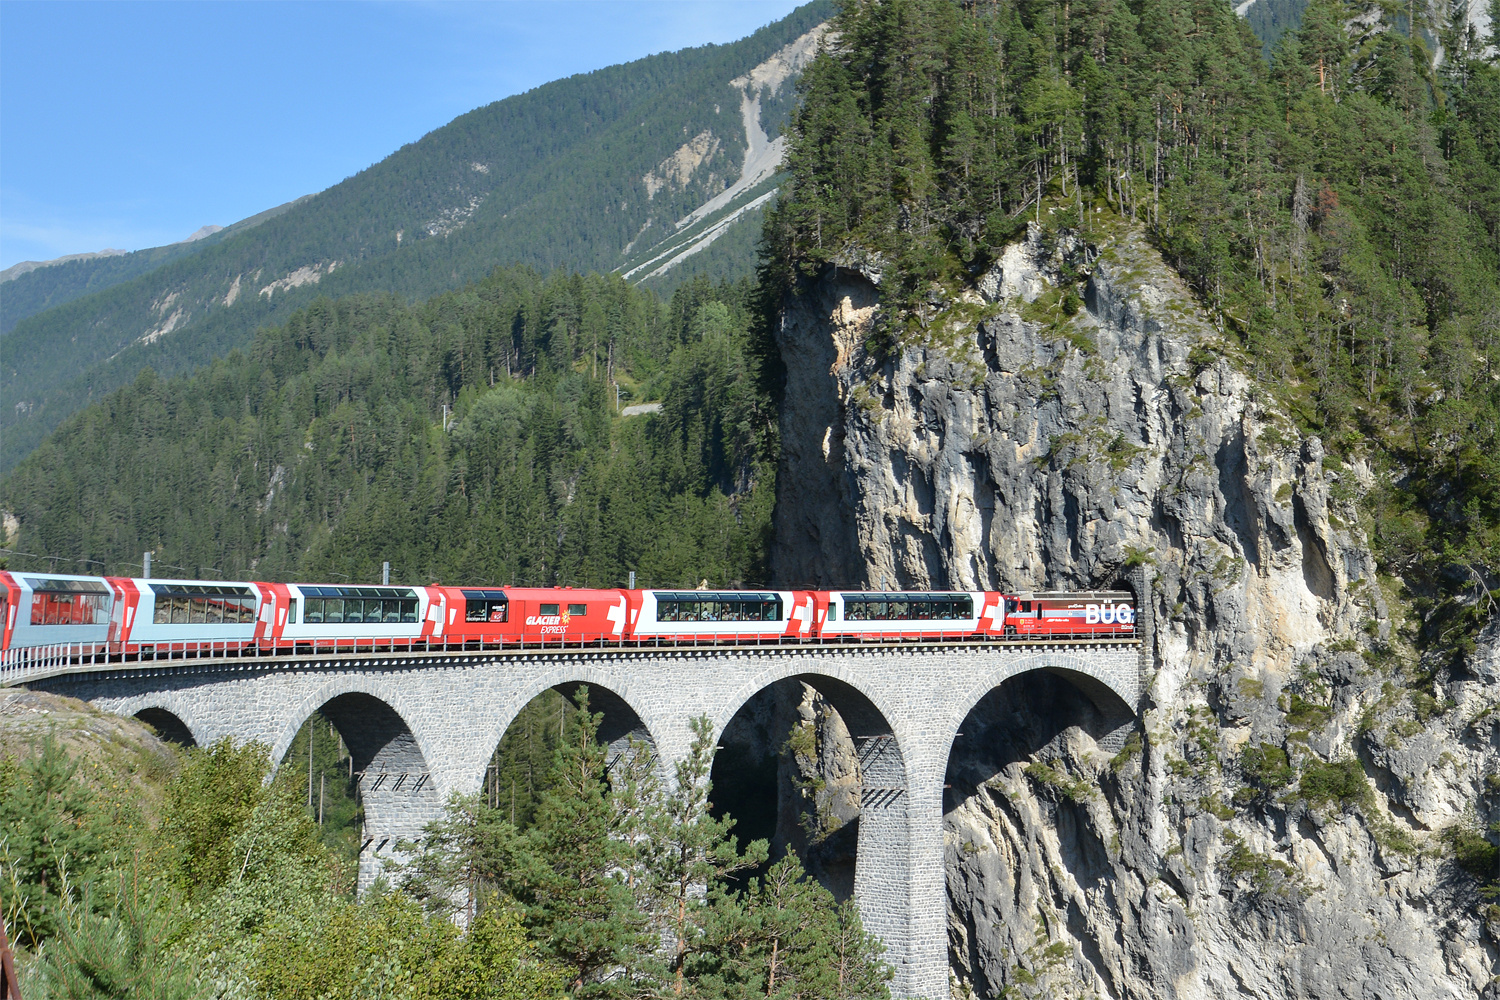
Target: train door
[434,626]
[992,618]
[809,612]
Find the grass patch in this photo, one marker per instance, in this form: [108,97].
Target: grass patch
[1268,766]
[1265,875]
[1128,752]
[1074,788]
[1306,714]
[1475,854]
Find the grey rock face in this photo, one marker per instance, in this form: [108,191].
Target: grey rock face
[1006,444]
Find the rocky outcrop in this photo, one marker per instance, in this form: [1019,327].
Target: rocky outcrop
[1274,829]
[792,776]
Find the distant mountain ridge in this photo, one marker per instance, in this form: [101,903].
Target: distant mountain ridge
[27,266]
[34,286]
[569,175]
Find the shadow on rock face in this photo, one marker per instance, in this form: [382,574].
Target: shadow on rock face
[1025,716]
[788,771]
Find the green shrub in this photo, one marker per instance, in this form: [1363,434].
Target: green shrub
[1306,714]
[1474,853]
[1074,788]
[1267,765]
[1131,749]
[1266,875]
[1342,783]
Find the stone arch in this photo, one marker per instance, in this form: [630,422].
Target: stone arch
[168,726]
[1104,685]
[1039,708]
[884,859]
[625,717]
[387,692]
[845,671]
[173,709]
[395,782]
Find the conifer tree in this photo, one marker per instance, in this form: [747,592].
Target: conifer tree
[785,936]
[48,834]
[684,851]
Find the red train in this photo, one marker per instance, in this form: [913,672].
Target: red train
[151,618]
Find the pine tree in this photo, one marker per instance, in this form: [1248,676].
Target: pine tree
[570,877]
[785,936]
[684,851]
[48,836]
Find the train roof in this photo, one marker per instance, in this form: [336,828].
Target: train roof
[547,593]
[1076,595]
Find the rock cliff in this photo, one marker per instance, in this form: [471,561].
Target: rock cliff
[1280,824]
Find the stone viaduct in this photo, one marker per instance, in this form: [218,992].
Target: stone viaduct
[423,725]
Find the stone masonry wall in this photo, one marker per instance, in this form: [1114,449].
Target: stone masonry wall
[438,718]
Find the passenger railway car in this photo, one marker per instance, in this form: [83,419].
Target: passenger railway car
[45,609]
[181,615]
[313,616]
[485,616]
[1110,612]
[880,615]
[694,616]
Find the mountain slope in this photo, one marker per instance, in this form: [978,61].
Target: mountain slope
[52,283]
[472,437]
[566,175]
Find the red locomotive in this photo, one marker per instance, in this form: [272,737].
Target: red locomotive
[61,616]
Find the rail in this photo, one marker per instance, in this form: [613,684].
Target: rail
[33,662]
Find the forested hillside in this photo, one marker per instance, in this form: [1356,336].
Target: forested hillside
[138,870]
[1337,211]
[568,175]
[473,438]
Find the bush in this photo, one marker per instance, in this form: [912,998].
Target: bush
[1266,875]
[1306,714]
[1267,766]
[1342,783]
[1475,854]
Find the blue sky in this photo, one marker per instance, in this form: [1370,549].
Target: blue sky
[130,125]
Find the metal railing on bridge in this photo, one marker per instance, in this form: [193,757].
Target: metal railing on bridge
[31,662]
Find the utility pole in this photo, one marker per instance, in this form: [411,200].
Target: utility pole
[385,574]
[311,732]
[322,787]
[146,566]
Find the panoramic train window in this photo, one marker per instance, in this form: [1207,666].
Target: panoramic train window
[907,607]
[486,606]
[705,606]
[69,602]
[202,604]
[359,605]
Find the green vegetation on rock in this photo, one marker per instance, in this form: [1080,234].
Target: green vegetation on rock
[1337,212]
